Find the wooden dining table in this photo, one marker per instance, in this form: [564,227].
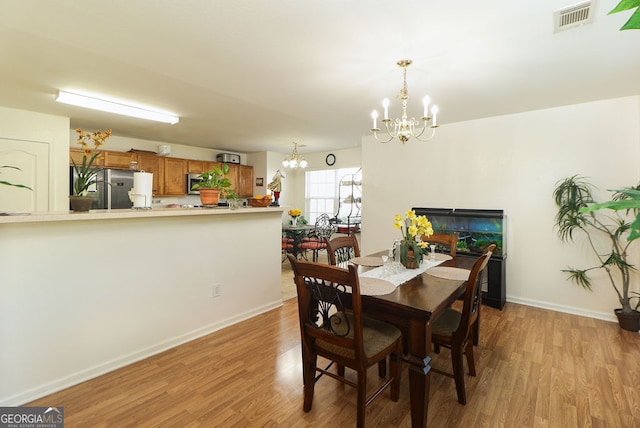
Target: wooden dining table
[412,307]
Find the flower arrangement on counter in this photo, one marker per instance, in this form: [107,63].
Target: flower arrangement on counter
[86,171]
[413,228]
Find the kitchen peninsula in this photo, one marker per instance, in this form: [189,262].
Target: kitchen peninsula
[85,293]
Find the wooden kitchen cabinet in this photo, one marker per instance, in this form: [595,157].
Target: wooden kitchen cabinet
[196,166]
[117,160]
[154,165]
[245,181]
[175,180]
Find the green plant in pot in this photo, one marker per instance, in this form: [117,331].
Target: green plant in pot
[211,183]
[6,183]
[607,234]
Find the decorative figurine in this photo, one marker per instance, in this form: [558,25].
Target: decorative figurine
[276,187]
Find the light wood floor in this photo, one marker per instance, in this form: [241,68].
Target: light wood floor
[535,368]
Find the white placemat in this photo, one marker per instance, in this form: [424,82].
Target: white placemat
[367,261]
[375,286]
[454,273]
[401,274]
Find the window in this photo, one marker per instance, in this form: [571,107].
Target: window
[321,192]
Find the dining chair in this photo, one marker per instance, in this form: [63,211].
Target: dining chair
[287,246]
[340,333]
[444,240]
[454,329]
[315,243]
[342,249]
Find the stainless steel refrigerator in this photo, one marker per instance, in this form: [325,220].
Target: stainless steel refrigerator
[111,190]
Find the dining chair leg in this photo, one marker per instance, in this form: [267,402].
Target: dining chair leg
[341,370]
[476,331]
[362,397]
[395,363]
[470,359]
[308,374]
[458,372]
[382,368]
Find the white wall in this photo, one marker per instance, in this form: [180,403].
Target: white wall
[81,298]
[513,163]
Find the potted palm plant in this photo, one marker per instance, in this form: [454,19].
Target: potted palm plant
[577,211]
[211,183]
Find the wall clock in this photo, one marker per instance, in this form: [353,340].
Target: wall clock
[331,159]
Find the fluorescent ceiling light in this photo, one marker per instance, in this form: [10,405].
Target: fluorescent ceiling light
[115,106]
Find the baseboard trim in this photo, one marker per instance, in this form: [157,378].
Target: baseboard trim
[114,364]
[605,316]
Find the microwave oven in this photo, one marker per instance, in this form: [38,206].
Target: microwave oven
[191,180]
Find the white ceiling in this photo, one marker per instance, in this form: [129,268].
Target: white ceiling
[255,75]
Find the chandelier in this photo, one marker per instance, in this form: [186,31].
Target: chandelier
[294,160]
[406,128]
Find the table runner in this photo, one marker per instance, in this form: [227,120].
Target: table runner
[401,275]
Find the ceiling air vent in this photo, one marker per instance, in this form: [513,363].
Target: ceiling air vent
[572,16]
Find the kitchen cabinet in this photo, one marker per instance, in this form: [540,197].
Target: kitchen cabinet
[241,177]
[245,181]
[174,178]
[209,165]
[75,155]
[153,164]
[117,160]
[169,174]
[196,166]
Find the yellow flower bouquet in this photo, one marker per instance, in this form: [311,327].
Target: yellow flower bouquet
[413,228]
[295,213]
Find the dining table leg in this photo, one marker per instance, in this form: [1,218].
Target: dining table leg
[419,371]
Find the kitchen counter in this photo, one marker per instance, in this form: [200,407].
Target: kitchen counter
[130,213]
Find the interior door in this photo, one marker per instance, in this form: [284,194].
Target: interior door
[32,157]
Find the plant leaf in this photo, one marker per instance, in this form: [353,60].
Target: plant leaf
[634,21]
[579,276]
[625,5]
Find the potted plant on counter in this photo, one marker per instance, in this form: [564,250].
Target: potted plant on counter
[211,183]
[607,234]
[86,172]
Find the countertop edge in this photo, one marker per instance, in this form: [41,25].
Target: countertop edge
[130,213]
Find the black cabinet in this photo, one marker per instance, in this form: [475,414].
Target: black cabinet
[477,230]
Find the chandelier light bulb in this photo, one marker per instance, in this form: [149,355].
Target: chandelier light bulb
[374,115]
[385,104]
[434,112]
[426,100]
[303,163]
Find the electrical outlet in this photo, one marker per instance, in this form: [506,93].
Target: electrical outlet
[217,290]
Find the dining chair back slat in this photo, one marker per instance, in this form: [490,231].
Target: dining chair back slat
[444,240]
[342,249]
